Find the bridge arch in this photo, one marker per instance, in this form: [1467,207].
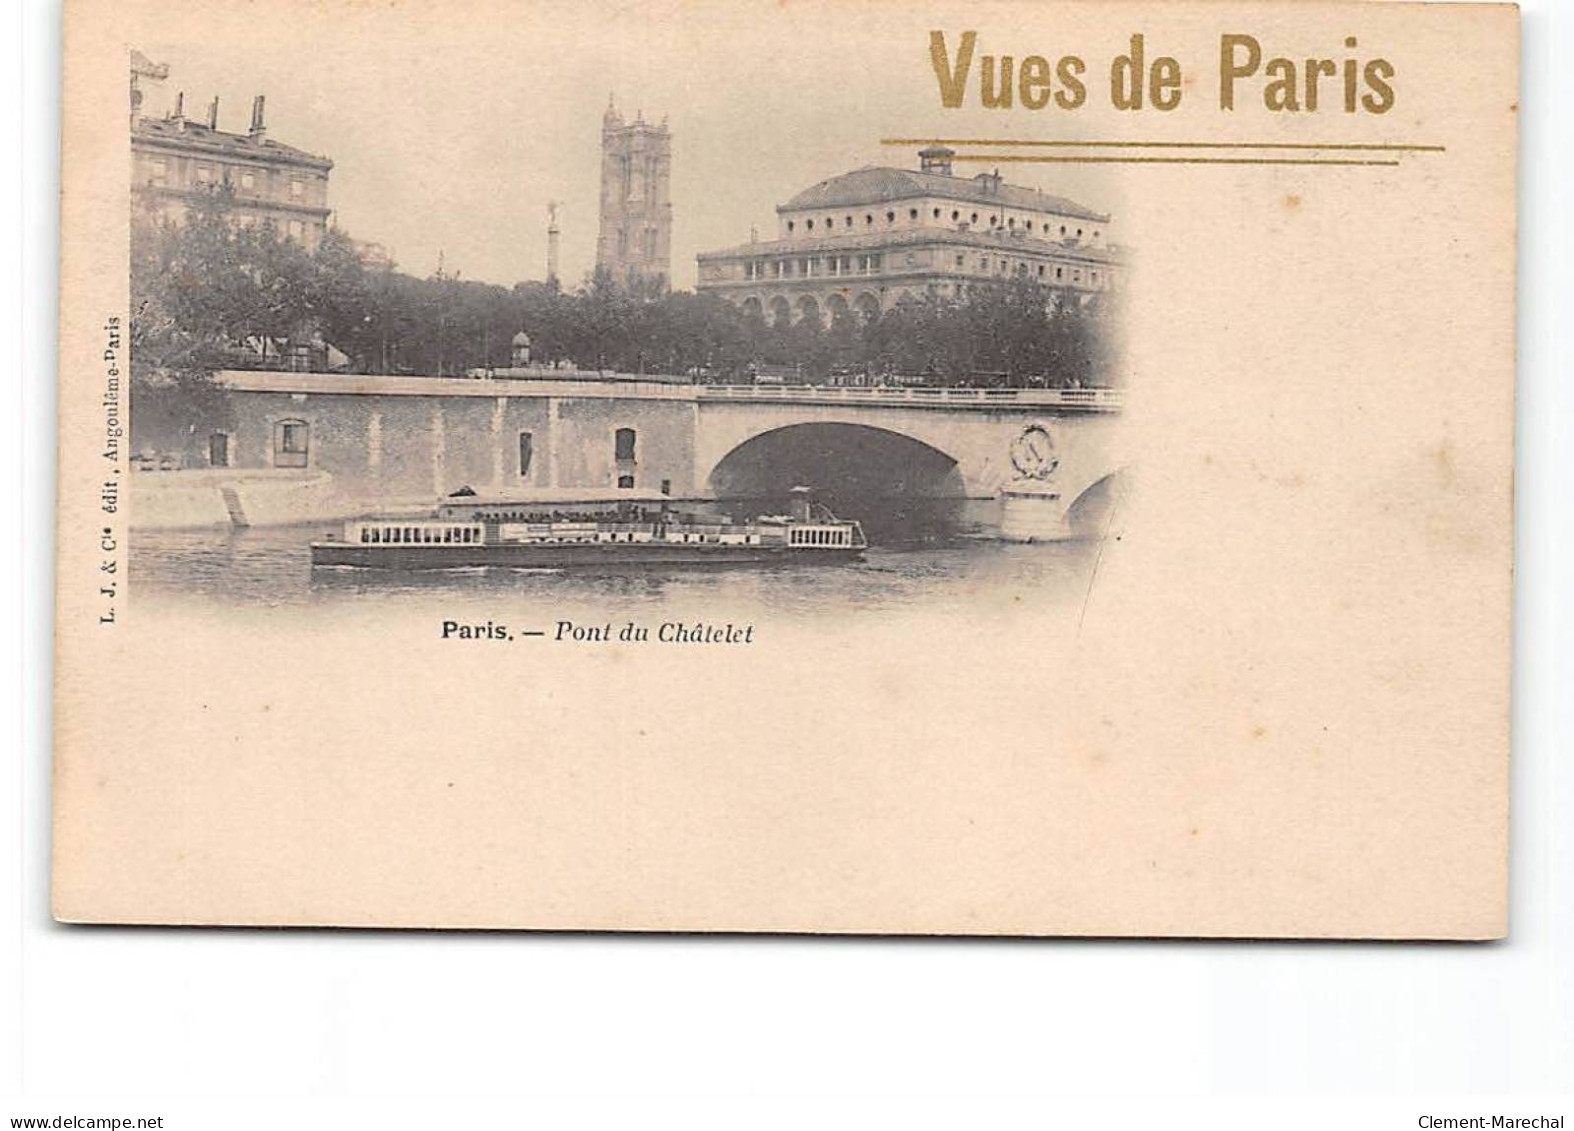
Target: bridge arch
[1090,513]
[837,459]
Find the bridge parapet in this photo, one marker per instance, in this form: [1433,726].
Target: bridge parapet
[597,387]
[588,387]
[947,397]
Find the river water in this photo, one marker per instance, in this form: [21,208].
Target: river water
[921,553]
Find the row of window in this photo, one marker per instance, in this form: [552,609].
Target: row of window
[836,265]
[1009,223]
[815,536]
[421,535]
[205,173]
[810,266]
[1025,270]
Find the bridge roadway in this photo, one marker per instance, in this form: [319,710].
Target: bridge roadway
[431,434]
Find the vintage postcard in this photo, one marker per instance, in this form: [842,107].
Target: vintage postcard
[1015,468]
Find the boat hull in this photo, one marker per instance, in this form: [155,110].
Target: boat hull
[571,555]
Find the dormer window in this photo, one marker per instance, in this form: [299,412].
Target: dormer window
[912,213]
[789,227]
[890,217]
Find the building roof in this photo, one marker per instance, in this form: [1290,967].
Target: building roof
[877,184]
[1010,242]
[196,135]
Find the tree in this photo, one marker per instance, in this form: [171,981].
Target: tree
[180,335]
[212,294]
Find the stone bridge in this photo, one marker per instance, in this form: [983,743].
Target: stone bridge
[949,443]
[385,438]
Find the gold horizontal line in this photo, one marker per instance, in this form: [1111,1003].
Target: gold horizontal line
[1067,144]
[1095,160]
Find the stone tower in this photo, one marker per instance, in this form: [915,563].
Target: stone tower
[636,208]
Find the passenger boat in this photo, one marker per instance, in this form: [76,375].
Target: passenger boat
[588,529]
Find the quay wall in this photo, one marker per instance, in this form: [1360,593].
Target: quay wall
[296,447]
[394,441]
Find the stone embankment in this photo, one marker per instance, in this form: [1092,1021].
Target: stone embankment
[173,500]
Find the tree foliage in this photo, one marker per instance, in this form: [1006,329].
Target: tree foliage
[209,293]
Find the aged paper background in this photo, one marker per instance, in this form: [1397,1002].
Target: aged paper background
[1282,709]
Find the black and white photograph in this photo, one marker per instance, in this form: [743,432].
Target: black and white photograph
[909,369]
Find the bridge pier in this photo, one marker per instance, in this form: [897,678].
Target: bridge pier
[1033,512]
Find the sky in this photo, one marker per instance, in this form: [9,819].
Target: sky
[451,127]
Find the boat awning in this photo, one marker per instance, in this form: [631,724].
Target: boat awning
[557,496]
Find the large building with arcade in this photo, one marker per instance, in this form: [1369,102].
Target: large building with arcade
[867,240]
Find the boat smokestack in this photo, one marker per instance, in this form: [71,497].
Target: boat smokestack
[800,504]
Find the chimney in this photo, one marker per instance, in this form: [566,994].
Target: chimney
[257,133]
[213,114]
[179,115]
[936,159]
